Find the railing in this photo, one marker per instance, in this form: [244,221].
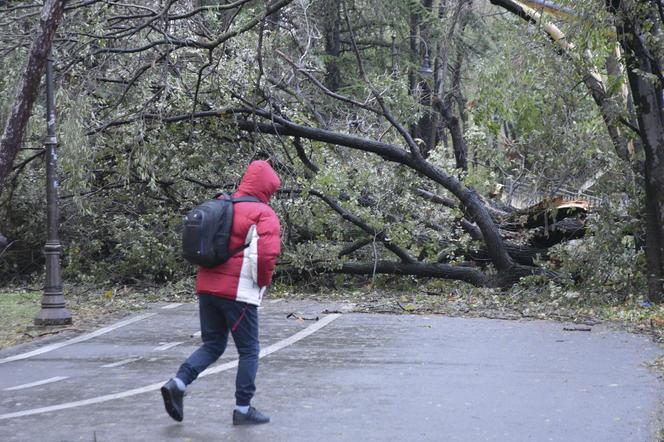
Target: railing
[522,195]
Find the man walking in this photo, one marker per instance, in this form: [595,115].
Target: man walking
[229,294]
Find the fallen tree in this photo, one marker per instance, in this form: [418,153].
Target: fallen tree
[550,222]
[178,80]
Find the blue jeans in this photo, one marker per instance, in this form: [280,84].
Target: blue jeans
[218,317]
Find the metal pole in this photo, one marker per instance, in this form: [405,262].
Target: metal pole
[53,310]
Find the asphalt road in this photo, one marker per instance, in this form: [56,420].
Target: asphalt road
[345,377]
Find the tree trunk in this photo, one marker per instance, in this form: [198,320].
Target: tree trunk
[428,126]
[647,95]
[447,92]
[458,141]
[332,30]
[28,86]
[467,274]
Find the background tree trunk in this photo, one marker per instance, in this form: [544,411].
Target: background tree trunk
[332,30]
[28,86]
[647,95]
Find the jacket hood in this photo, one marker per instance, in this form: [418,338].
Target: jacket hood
[259,180]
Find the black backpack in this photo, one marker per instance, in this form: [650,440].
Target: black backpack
[207,230]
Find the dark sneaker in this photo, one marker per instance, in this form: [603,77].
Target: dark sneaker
[251,417]
[173,400]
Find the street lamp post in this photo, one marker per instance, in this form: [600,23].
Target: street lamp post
[425,68]
[53,310]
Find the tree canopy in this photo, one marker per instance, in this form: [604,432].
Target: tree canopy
[469,140]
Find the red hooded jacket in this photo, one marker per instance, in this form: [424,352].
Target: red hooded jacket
[246,275]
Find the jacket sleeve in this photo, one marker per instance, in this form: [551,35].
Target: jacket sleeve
[269,246]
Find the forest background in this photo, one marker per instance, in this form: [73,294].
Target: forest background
[469,156]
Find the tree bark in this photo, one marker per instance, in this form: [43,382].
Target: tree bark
[647,95]
[467,274]
[458,141]
[332,31]
[27,89]
[447,92]
[428,126]
[28,86]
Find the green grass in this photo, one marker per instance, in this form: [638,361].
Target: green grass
[17,312]
[90,306]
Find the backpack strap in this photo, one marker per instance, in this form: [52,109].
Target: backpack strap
[240,199]
[237,250]
[246,199]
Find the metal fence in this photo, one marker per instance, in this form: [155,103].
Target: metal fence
[522,195]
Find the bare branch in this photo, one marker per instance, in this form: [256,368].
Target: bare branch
[302,155]
[325,90]
[378,235]
[415,150]
[219,7]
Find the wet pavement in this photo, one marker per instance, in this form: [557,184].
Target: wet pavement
[345,377]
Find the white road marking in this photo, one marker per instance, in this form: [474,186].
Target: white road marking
[166,345]
[122,362]
[77,339]
[37,383]
[322,322]
[152,387]
[170,306]
[197,334]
